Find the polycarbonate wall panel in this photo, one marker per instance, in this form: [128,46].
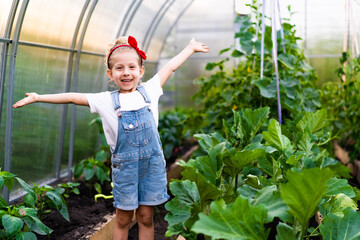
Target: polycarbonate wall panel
[5,6]
[141,23]
[213,25]
[51,22]
[321,22]
[91,80]
[36,127]
[164,26]
[104,23]
[322,26]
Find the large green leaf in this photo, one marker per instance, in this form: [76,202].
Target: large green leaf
[305,144]
[287,59]
[303,192]
[210,166]
[26,236]
[334,227]
[27,188]
[239,220]
[59,202]
[241,159]
[254,120]
[237,128]
[271,199]
[207,190]
[78,170]
[336,166]
[8,179]
[285,232]
[267,87]
[337,186]
[89,173]
[12,224]
[336,205]
[274,137]
[313,121]
[183,208]
[34,223]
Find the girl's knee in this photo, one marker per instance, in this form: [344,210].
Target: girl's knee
[123,218]
[145,216]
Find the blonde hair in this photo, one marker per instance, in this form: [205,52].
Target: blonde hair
[116,43]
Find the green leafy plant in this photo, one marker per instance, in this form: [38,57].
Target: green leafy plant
[19,221]
[65,189]
[171,125]
[44,199]
[242,87]
[341,99]
[94,170]
[235,186]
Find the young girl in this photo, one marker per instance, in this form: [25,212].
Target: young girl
[130,117]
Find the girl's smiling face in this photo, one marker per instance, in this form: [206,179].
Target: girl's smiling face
[126,71]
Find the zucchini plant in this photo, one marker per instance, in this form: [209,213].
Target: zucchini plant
[257,173]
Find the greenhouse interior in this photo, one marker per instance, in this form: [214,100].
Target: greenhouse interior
[260,122]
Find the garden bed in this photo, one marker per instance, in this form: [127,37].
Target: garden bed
[85,214]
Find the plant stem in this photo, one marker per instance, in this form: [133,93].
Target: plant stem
[314,230]
[236,182]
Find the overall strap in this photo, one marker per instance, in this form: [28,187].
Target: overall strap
[143,92]
[115,99]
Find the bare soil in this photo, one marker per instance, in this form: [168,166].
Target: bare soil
[85,214]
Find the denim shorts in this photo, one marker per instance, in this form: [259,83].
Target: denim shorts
[139,179]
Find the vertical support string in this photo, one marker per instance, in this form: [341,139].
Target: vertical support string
[275,61]
[262,40]
[257,31]
[281,26]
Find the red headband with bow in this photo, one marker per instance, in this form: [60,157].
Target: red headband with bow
[132,43]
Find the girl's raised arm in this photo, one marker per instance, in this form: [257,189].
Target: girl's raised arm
[75,98]
[193,46]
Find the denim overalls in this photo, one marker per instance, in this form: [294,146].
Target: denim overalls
[138,173]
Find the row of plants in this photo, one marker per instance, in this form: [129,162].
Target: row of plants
[341,99]
[22,220]
[253,178]
[257,177]
[242,86]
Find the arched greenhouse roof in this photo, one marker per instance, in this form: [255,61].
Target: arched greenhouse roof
[49,46]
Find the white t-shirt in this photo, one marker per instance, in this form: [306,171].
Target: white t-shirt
[102,104]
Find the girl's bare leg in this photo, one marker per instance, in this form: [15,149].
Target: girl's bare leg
[122,224]
[144,216]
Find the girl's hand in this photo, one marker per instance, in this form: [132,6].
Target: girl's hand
[30,98]
[198,46]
